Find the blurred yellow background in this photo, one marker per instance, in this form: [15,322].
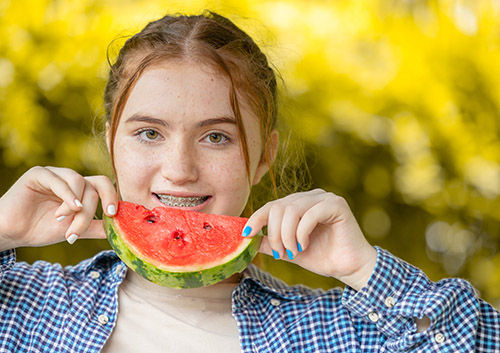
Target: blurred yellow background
[397,103]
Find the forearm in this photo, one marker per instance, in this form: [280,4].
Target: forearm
[417,314]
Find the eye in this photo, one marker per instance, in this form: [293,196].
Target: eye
[149,135]
[217,138]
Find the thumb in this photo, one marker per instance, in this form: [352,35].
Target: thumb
[265,248]
[95,230]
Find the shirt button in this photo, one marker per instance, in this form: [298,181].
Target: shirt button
[118,268]
[439,338]
[373,316]
[94,274]
[103,319]
[275,302]
[389,302]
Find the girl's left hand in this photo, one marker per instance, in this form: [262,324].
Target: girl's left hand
[316,230]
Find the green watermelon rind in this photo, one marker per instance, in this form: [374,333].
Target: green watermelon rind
[179,280]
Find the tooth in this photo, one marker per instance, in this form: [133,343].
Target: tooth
[181,201]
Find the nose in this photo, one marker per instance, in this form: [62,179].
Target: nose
[180,164]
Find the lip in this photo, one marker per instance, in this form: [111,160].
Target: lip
[179,193]
[197,208]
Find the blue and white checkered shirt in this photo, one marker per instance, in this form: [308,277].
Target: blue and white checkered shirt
[47,308]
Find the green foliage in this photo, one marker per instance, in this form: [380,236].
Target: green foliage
[397,103]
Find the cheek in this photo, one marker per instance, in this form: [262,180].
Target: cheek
[230,171]
[132,168]
[229,181]
[230,177]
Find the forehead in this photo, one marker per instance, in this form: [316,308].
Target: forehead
[180,88]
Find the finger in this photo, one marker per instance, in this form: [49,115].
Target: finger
[328,211]
[82,219]
[290,220]
[107,193]
[293,214]
[74,181]
[47,181]
[306,227]
[259,218]
[274,230]
[63,211]
[256,222]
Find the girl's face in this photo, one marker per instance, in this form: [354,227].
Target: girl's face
[177,142]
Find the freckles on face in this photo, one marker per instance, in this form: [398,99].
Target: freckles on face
[177,136]
[231,174]
[133,169]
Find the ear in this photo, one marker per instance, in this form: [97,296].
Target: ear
[266,161]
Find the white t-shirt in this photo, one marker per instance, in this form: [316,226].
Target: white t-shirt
[152,318]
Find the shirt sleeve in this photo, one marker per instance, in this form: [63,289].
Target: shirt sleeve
[7,260]
[398,292]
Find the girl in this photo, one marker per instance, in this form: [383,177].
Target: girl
[191,107]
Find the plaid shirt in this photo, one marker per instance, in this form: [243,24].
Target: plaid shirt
[47,308]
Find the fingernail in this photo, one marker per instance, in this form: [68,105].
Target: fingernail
[276,255]
[60,218]
[111,210]
[290,254]
[78,203]
[246,231]
[72,238]
[299,247]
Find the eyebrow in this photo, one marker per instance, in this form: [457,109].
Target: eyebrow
[155,121]
[146,119]
[218,120]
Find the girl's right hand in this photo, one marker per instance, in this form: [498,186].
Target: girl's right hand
[48,205]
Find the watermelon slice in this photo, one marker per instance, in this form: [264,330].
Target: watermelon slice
[177,248]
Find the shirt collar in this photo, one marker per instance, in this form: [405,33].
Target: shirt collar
[106,261]
[263,280]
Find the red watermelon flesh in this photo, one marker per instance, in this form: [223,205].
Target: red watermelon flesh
[174,237]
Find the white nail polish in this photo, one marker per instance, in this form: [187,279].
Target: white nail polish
[72,238]
[60,218]
[111,209]
[78,203]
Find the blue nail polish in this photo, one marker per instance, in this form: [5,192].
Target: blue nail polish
[299,247]
[246,231]
[290,254]
[276,255]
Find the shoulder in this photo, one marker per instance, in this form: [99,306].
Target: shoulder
[43,273]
